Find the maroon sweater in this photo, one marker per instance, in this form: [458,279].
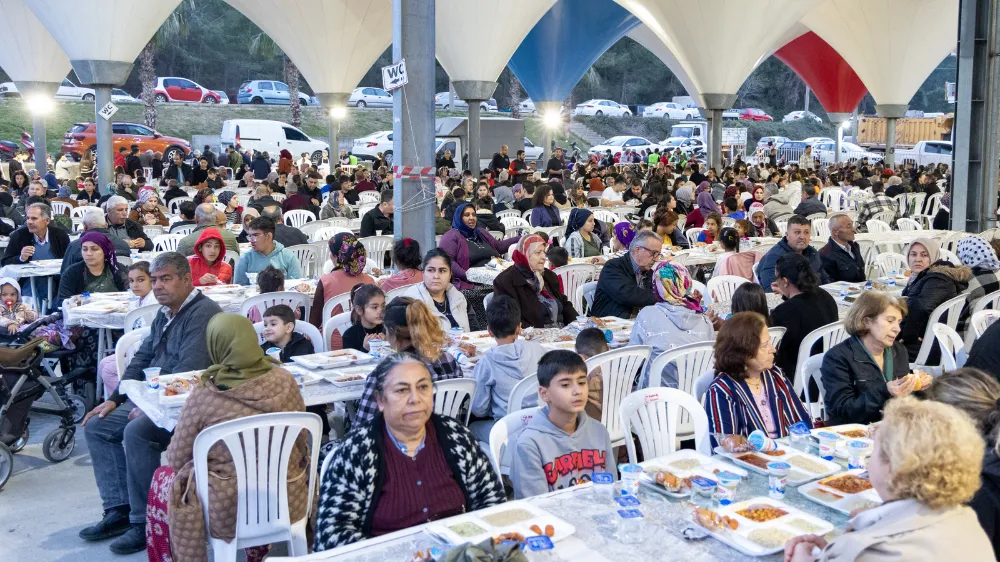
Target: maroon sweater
[416,490]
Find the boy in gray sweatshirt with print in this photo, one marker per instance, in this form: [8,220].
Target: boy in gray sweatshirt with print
[561,446]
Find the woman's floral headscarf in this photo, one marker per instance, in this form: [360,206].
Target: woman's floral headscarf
[674,286]
[350,253]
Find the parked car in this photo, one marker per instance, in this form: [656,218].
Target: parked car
[754,114]
[602,107]
[618,144]
[82,137]
[731,114]
[367,148]
[799,115]
[67,91]
[223,96]
[532,152]
[926,153]
[370,97]
[441,102]
[182,90]
[777,142]
[849,152]
[528,108]
[271,136]
[669,110]
[119,95]
[270,92]
[813,140]
[688,146]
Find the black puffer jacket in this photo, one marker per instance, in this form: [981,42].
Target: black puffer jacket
[854,388]
[934,285]
[986,502]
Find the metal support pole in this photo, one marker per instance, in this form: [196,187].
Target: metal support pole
[836,145]
[105,140]
[38,135]
[451,95]
[890,142]
[474,92]
[413,120]
[474,137]
[808,91]
[839,119]
[715,141]
[38,96]
[333,102]
[334,142]
[547,109]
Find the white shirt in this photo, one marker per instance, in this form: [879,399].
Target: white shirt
[611,195]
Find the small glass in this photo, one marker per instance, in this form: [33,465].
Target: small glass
[703,491]
[798,436]
[630,526]
[604,487]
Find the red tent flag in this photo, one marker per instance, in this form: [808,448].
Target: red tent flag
[822,68]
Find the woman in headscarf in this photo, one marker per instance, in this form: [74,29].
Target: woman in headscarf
[676,319]
[147,209]
[706,206]
[205,195]
[248,215]
[932,281]
[348,256]
[762,226]
[99,271]
[624,233]
[777,202]
[247,179]
[757,196]
[536,289]
[241,382]
[685,197]
[978,255]
[581,242]
[234,213]
[285,161]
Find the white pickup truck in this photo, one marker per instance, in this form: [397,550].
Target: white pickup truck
[926,153]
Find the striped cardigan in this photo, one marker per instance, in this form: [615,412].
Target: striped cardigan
[732,409]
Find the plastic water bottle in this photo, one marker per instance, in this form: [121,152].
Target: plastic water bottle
[892,278]
[843,291]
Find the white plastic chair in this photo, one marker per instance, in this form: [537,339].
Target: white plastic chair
[585,293]
[298,217]
[311,227]
[952,347]
[60,207]
[811,370]
[604,214]
[301,327]
[504,431]
[175,204]
[648,214]
[722,287]
[127,346]
[398,292]
[328,232]
[338,323]
[525,388]
[908,225]
[692,235]
[949,310]
[690,360]
[623,212]
[293,299]
[145,313]
[986,302]
[981,321]
[154,230]
[184,230]
[821,228]
[75,212]
[876,226]
[450,394]
[487,300]
[231,258]
[777,333]
[363,208]
[574,276]
[369,197]
[654,415]
[702,383]
[830,335]
[261,446]
[887,262]
[308,257]
[514,226]
[279,197]
[508,213]
[950,256]
[377,248]
[619,368]
[343,299]
[167,242]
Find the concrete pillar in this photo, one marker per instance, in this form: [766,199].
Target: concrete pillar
[334,103]
[546,108]
[838,119]
[413,120]
[474,92]
[714,105]
[44,92]
[890,112]
[102,75]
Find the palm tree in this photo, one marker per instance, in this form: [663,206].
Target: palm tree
[173,29]
[262,44]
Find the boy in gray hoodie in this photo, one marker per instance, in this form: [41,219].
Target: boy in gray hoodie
[503,366]
[561,446]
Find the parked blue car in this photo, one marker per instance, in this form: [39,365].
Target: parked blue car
[269,92]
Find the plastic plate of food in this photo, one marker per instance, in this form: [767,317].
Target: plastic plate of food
[175,388]
[759,526]
[670,474]
[303,376]
[508,521]
[348,377]
[847,432]
[843,492]
[332,359]
[805,467]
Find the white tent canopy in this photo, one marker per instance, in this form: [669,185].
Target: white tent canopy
[645,37]
[742,34]
[332,42]
[893,45]
[30,54]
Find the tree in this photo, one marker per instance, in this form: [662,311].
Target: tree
[173,29]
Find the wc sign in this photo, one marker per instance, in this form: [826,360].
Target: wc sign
[394,76]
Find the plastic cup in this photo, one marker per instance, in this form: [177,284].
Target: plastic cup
[703,491]
[152,377]
[857,454]
[275,353]
[777,477]
[728,483]
[253,278]
[630,524]
[798,436]
[761,442]
[827,444]
[630,478]
[604,487]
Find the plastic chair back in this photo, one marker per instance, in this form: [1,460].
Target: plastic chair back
[127,346]
[887,262]
[948,313]
[301,327]
[952,347]
[450,394]
[377,248]
[654,415]
[811,371]
[830,335]
[585,293]
[573,277]
[876,226]
[298,217]
[330,307]
[702,383]
[145,313]
[307,256]
[505,430]
[722,287]
[167,242]
[293,299]
[175,204]
[397,292]
[692,235]
[338,323]
[777,334]
[619,368]
[525,388]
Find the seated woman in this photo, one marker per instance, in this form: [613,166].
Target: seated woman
[713,226]
[99,271]
[234,213]
[861,373]
[207,264]
[749,392]
[88,194]
[147,210]
[248,215]
[367,311]
[624,232]
[241,382]
[925,467]
[665,224]
[376,465]
[543,207]
[978,255]
[349,256]
[706,205]
[750,297]
[762,226]
[932,282]
[581,242]
[536,289]
[806,307]
[676,319]
[733,261]
[435,290]
[406,257]
[578,195]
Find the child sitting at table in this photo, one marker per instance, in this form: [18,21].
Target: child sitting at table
[141,286]
[366,317]
[279,331]
[269,280]
[13,312]
[207,264]
[561,446]
[591,342]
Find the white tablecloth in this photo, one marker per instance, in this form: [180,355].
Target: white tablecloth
[40,268]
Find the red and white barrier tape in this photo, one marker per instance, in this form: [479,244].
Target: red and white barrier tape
[413,172]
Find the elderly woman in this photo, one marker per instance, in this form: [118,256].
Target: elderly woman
[543,207]
[861,373]
[676,319]
[581,242]
[978,255]
[435,290]
[147,210]
[97,273]
[932,282]
[241,382]
[749,392]
[925,466]
[348,256]
[405,451]
[706,206]
[762,226]
[536,289]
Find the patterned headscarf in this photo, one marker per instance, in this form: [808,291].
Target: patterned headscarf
[625,232]
[106,246]
[225,197]
[520,256]
[351,254]
[145,195]
[977,253]
[674,286]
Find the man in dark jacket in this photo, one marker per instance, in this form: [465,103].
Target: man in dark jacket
[133,164]
[379,220]
[213,160]
[985,354]
[288,235]
[125,228]
[179,170]
[841,257]
[485,217]
[261,166]
[501,161]
[93,221]
[810,204]
[796,239]
[36,240]
[173,191]
[626,283]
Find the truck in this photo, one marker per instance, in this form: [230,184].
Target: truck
[452,133]
[926,153]
[734,139]
[909,131]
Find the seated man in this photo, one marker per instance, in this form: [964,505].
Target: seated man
[796,240]
[378,220]
[125,228]
[206,216]
[287,236]
[626,283]
[186,212]
[841,257]
[176,344]
[810,204]
[266,251]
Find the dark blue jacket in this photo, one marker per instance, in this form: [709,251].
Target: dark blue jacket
[765,269]
[261,167]
[618,294]
[854,388]
[840,266]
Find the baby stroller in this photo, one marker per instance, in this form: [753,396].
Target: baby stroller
[22,382]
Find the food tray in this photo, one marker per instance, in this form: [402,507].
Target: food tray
[303,376]
[177,399]
[707,468]
[797,475]
[846,503]
[841,451]
[739,538]
[332,359]
[540,517]
[349,376]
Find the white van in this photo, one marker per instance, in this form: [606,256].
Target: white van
[270,137]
